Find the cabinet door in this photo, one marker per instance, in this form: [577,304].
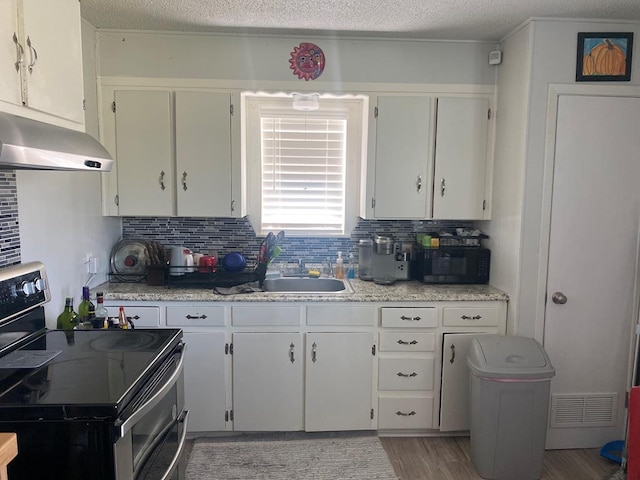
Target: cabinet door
[144,153]
[54,83]
[203,154]
[339,381]
[267,381]
[402,157]
[204,381]
[462,128]
[9,75]
[454,400]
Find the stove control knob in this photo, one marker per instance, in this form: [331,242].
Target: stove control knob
[27,288]
[40,284]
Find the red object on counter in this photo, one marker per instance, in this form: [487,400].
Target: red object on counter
[633,435]
[207,264]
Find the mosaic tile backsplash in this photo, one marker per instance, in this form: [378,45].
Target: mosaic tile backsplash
[9,226]
[224,235]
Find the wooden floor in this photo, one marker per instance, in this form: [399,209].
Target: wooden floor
[449,458]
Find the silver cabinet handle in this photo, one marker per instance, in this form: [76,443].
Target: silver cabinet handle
[402,414]
[412,342]
[407,375]
[162,187]
[184,181]
[291,357]
[314,354]
[453,354]
[559,298]
[195,317]
[413,319]
[34,55]
[19,52]
[419,183]
[233,205]
[442,187]
[467,317]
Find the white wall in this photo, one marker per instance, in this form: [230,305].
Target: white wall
[514,82]
[61,221]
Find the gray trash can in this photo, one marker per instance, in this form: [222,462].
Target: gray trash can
[510,381]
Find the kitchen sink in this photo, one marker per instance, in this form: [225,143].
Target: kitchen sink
[307,285]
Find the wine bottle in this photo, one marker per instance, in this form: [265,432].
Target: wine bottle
[86,309]
[68,319]
[101,312]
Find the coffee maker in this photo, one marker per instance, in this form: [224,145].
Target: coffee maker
[389,262]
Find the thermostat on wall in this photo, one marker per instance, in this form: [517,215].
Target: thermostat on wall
[495,57]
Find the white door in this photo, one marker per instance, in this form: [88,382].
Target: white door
[267,381]
[592,262]
[203,154]
[338,381]
[454,395]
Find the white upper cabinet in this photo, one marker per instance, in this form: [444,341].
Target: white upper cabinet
[144,152]
[203,154]
[174,153]
[428,158]
[398,158]
[41,57]
[461,156]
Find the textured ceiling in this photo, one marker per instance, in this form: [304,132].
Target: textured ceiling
[428,19]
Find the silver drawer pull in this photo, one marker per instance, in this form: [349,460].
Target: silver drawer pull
[412,342]
[414,319]
[407,375]
[467,317]
[402,414]
[195,317]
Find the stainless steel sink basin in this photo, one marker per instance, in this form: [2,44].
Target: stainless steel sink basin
[306,285]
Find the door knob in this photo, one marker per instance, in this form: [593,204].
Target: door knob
[559,298]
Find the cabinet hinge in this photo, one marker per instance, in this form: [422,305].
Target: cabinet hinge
[231,416]
[113,107]
[84,104]
[375,112]
[489,114]
[372,414]
[484,205]
[231,109]
[233,206]
[226,416]
[373,350]
[373,202]
[116,200]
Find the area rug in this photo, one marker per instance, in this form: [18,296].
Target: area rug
[285,458]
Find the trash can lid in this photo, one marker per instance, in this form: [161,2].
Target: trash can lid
[512,357]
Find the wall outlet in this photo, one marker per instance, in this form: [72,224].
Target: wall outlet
[92,263]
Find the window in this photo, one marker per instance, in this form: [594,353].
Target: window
[302,168]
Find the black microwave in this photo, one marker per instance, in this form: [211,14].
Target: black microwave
[452,265]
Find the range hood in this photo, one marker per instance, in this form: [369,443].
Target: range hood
[30,144]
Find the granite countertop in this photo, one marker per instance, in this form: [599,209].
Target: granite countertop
[401,291]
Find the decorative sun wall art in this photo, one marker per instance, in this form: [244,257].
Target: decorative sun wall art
[604,57]
[307,61]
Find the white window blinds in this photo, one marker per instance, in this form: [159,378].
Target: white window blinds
[303,172]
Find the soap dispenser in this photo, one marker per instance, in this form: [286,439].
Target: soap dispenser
[339,266]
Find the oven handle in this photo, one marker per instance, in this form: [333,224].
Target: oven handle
[126,425]
[184,418]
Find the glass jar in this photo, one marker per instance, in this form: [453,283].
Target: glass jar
[365,259]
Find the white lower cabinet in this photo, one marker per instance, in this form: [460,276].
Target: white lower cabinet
[205,382]
[338,381]
[267,381]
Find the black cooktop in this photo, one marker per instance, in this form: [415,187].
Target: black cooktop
[91,375]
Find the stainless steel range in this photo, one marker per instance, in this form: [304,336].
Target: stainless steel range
[99,404]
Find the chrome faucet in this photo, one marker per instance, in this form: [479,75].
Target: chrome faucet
[329,267]
[301,266]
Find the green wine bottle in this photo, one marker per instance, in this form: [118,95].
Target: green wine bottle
[68,319]
[86,310]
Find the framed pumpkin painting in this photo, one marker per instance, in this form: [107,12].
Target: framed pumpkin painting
[604,56]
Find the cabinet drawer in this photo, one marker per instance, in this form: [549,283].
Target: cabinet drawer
[195,316]
[406,412]
[409,317]
[407,342]
[257,315]
[341,315]
[142,317]
[471,316]
[405,373]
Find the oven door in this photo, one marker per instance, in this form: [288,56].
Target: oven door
[152,431]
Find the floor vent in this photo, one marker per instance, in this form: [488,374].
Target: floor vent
[589,410]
